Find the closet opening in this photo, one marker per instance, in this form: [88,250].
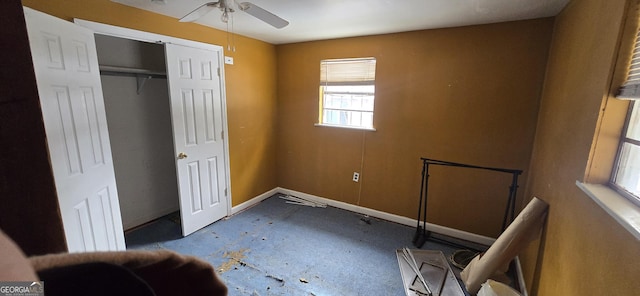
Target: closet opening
[137,103]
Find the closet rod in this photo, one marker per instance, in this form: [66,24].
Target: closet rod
[133,72]
[141,75]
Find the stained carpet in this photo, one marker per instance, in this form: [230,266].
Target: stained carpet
[276,248]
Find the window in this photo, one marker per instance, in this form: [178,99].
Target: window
[611,179]
[347,92]
[626,173]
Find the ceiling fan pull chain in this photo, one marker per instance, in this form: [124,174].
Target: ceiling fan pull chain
[233,35]
[228,38]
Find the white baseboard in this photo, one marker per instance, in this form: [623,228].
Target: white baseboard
[472,237]
[249,203]
[480,239]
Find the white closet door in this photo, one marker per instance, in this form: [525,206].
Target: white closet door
[196,113]
[68,80]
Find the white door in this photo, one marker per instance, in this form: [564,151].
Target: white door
[68,80]
[197,118]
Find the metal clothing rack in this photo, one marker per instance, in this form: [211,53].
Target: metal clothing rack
[422,234]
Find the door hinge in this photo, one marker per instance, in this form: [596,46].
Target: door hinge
[222,135]
[225,192]
[219,72]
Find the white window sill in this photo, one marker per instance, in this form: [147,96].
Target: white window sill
[620,208]
[347,127]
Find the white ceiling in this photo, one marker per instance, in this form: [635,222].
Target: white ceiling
[328,19]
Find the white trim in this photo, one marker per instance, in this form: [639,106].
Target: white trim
[459,234]
[132,34]
[385,216]
[616,205]
[480,239]
[366,211]
[369,129]
[254,201]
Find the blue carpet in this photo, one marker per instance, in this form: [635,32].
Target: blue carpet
[275,248]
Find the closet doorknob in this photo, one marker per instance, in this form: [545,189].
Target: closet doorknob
[181,155]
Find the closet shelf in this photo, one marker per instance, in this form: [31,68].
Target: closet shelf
[135,72]
[141,75]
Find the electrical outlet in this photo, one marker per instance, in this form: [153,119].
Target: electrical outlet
[356,177]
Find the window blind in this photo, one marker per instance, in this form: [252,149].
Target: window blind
[348,71]
[630,89]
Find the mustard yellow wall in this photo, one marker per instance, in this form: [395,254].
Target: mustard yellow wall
[583,250]
[250,85]
[465,94]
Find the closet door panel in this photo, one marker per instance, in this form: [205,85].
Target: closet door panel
[68,81]
[196,110]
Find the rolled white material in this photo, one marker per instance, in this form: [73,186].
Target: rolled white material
[524,229]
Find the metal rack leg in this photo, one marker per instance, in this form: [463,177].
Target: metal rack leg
[416,236]
[509,212]
[422,234]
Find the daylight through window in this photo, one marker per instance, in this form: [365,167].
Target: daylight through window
[347,92]
[626,176]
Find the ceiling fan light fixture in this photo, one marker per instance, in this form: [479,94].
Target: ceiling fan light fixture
[227,8]
[224,17]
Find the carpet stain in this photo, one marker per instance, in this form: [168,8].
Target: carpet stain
[235,258]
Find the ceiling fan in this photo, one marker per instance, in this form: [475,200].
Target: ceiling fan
[227,7]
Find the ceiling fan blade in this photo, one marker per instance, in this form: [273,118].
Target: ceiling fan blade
[263,15]
[200,11]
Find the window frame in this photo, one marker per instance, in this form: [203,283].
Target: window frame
[635,199]
[628,71]
[348,80]
[602,162]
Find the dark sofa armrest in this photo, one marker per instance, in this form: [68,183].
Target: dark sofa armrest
[166,272]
